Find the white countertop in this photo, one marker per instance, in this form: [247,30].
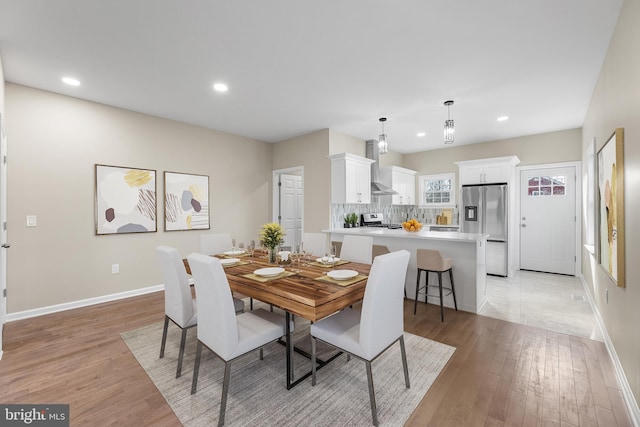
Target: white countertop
[402,234]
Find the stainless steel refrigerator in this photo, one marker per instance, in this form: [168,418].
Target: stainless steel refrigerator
[485,210]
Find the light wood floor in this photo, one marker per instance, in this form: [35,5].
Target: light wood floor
[501,373]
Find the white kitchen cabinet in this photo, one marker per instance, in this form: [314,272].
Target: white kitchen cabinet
[487,171]
[402,181]
[350,178]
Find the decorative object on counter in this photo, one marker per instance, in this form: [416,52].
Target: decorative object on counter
[445,218]
[448,124]
[271,236]
[412,225]
[382,139]
[350,220]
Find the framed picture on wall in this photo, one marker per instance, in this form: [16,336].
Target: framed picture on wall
[610,192]
[125,200]
[186,202]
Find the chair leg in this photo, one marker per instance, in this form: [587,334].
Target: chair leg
[404,362]
[453,290]
[225,391]
[196,368]
[415,301]
[261,354]
[372,395]
[251,304]
[183,341]
[164,336]
[440,289]
[313,360]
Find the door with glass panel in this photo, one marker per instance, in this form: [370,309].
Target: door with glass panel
[548,220]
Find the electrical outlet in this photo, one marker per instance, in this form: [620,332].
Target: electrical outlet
[606,296]
[115,268]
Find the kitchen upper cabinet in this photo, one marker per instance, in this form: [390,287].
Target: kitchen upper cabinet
[402,181]
[487,171]
[350,178]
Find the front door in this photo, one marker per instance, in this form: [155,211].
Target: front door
[548,220]
[291,208]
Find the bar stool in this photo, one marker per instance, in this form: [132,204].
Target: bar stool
[430,260]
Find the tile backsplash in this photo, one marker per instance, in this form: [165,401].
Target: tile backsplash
[393,214]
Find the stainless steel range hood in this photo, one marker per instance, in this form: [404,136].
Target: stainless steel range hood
[377,188]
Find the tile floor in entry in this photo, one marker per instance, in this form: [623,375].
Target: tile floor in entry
[549,301]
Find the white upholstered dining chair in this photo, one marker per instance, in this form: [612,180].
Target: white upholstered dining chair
[366,334]
[179,306]
[315,243]
[228,336]
[357,248]
[214,244]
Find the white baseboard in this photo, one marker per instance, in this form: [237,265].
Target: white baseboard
[627,394]
[11,317]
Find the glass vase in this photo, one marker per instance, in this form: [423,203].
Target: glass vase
[273,256]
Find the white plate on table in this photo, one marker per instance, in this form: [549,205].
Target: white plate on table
[326,259]
[268,272]
[236,252]
[342,274]
[226,262]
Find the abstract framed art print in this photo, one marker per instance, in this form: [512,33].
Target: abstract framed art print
[125,200]
[610,165]
[186,202]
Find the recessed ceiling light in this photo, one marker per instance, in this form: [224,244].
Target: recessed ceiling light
[421,134]
[503,118]
[220,87]
[71,81]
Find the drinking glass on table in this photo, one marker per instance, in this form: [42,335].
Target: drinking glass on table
[332,259]
[301,252]
[295,257]
[249,250]
[233,245]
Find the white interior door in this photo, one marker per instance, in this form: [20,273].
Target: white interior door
[3,229]
[548,220]
[291,208]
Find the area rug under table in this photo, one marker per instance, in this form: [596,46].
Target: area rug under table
[257,390]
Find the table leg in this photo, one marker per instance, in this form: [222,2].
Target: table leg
[289,338]
[291,348]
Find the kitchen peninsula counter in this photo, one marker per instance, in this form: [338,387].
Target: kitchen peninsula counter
[466,250]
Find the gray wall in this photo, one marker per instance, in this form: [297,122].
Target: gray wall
[553,147]
[309,151]
[54,142]
[616,104]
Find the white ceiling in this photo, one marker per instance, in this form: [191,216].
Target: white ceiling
[296,66]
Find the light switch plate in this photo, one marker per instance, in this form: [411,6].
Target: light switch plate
[31,221]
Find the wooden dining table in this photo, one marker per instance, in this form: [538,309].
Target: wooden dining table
[300,293]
